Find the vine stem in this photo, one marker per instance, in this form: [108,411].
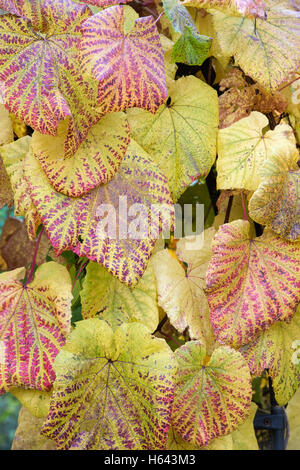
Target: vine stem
[288,84]
[244,206]
[228,210]
[158,18]
[30,275]
[79,272]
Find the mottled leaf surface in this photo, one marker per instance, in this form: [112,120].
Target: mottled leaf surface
[124,53]
[13,156]
[138,191]
[181,292]
[112,390]
[274,349]
[41,72]
[251,283]
[37,402]
[181,136]
[34,323]
[293,415]
[105,296]
[6,136]
[243,148]
[276,202]
[212,397]
[96,161]
[270,52]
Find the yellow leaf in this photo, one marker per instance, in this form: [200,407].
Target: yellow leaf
[28,434]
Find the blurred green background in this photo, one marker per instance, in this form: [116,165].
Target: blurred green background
[9,405]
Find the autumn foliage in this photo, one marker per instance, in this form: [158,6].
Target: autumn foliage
[141,343]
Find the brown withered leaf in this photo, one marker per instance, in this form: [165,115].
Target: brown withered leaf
[241,96]
[16,248]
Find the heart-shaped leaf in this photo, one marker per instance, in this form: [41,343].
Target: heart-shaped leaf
[116,43]
[34,323]
[212,396]
[181,137]
[251,283]
[121,386]
[41,72]
[138,206]
[243,148]
[266,50]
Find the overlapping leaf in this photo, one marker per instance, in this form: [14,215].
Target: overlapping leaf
[212,397]
[138,194]
[37,402]
[40,68]
[13,155]
[124,53]
[251,283]
[245,8]
[96,160]
[276,202]
[113,390]
[267,50]
[181,293]
[181,137]
[293,415]
[243,148]
[6,136]
[273,350]
[114,302]
[191,47]
[34,322]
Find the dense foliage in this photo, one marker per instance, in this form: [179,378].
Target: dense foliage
[114,335]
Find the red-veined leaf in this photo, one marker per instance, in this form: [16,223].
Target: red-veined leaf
[112,390]
[212,396]
[41,72]
[251,283]
[124,53]
[34,323]
[138,191]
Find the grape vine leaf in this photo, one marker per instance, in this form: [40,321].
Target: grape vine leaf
[244,8]
[6,136]
[251,283]
[191,47]
[34,323]
[181,136]
[124,53]
[37,402]
[114,302]
[212,396]
[104,3]
[41,72]
[276,202]
[121,386]
[96,160]
[13,156]
[138,194]
[243,148]
[181,292]
[266,50]
[273,350]
[175,442]
[28,433]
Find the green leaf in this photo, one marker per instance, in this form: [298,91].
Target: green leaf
[191,48]
[113,390]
